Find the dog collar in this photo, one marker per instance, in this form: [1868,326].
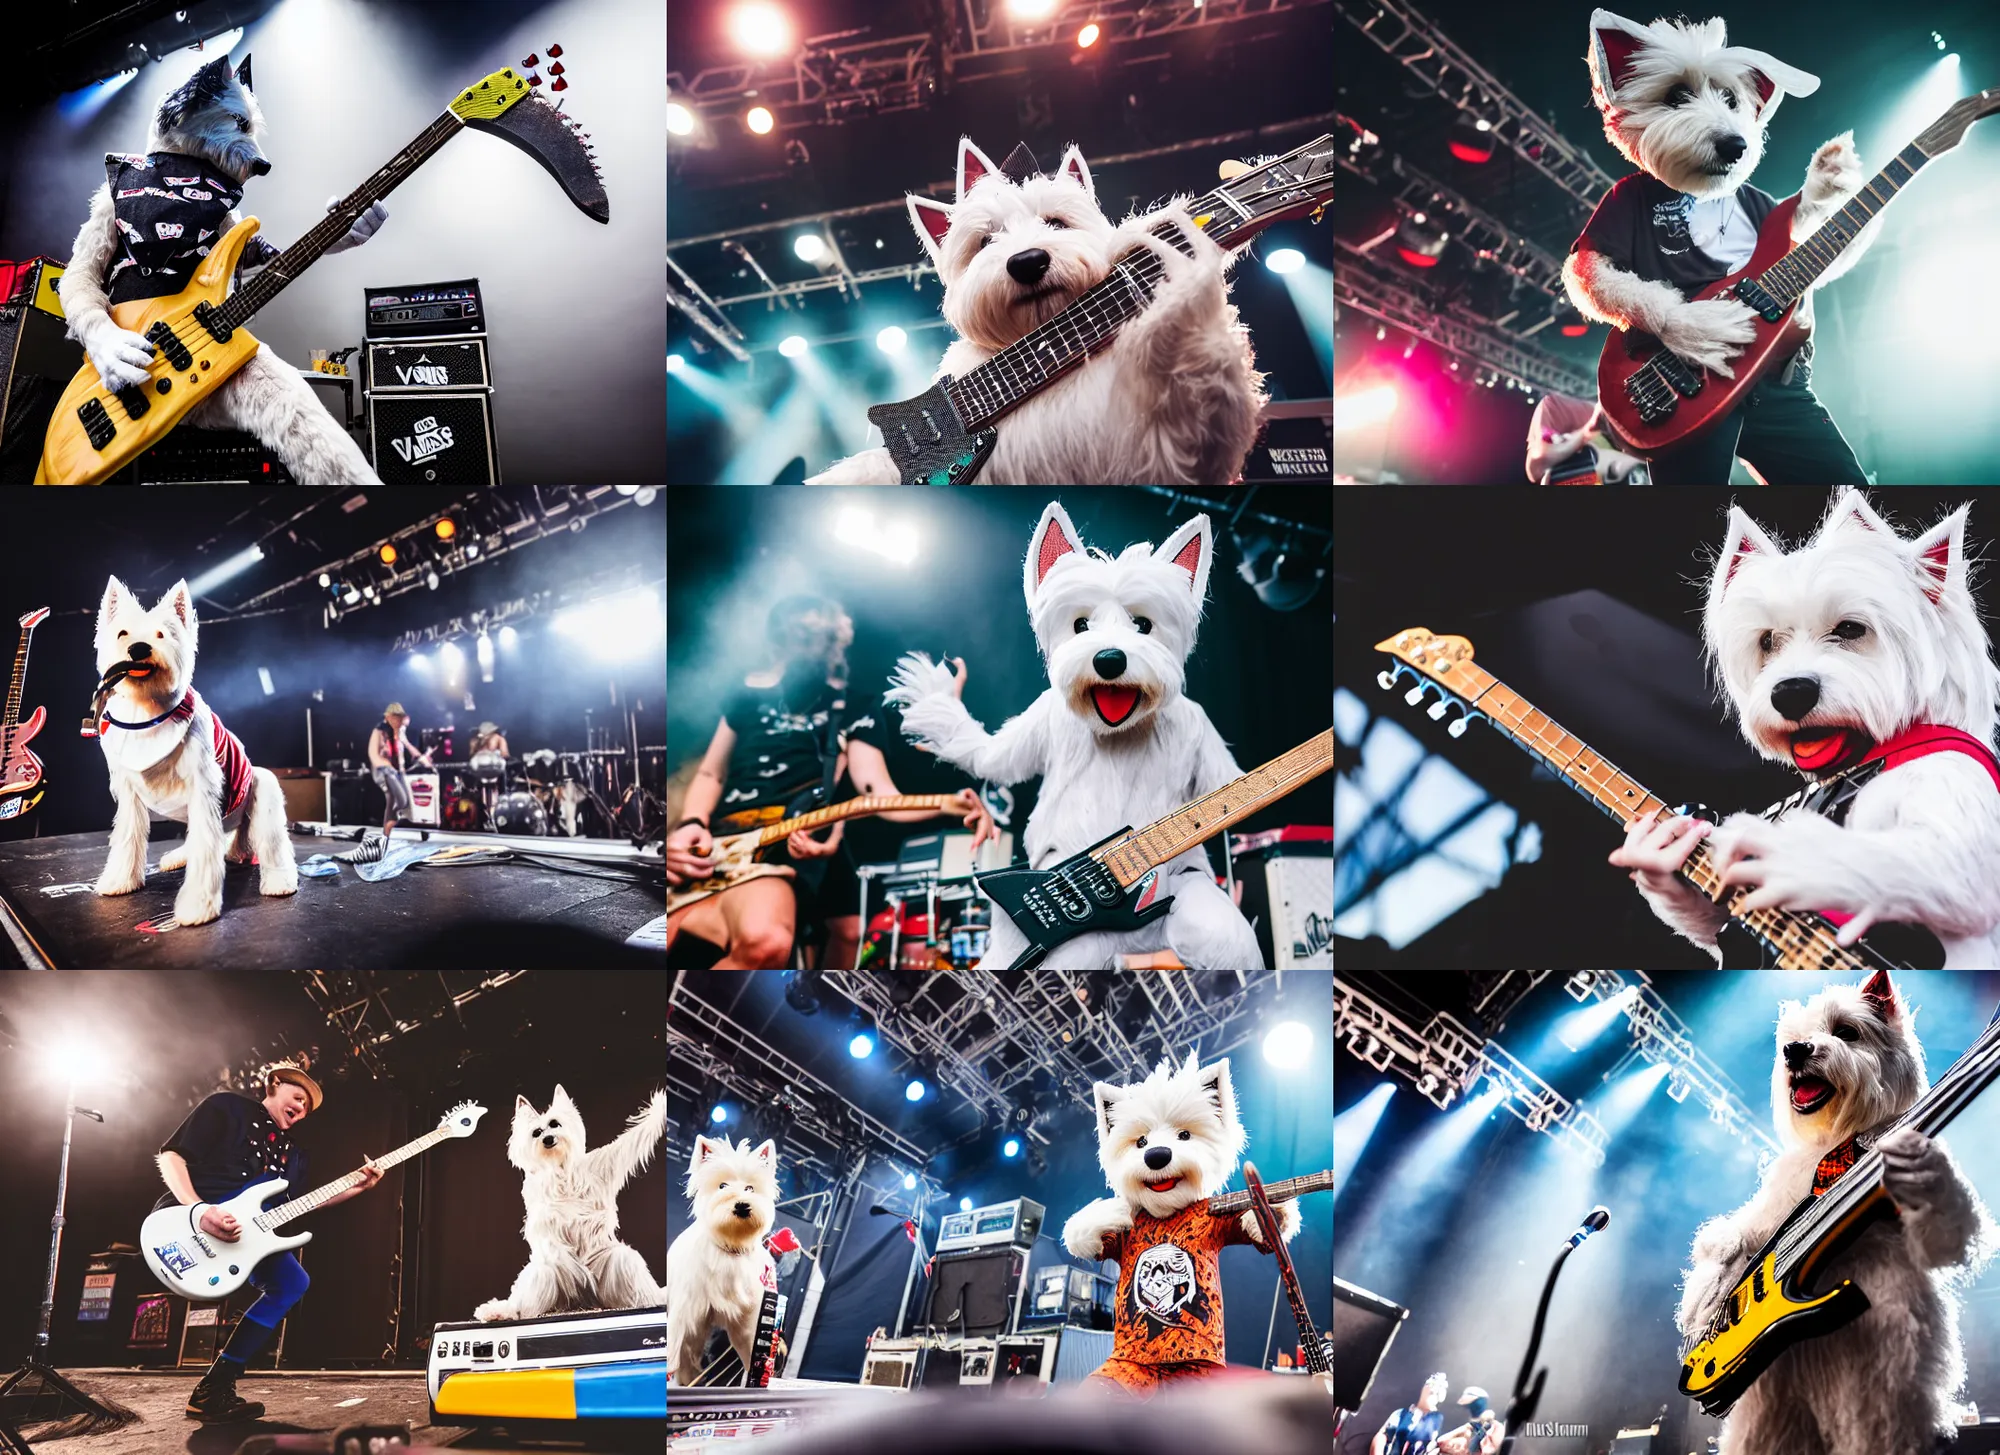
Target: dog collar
[183,708]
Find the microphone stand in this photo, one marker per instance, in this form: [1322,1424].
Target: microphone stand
[1528,1392]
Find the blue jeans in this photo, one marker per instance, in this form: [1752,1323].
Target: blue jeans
[283,1282]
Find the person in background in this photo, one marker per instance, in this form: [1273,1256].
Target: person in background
[1410,1430]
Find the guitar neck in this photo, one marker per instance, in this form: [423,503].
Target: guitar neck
[277,274]
[284,1212]
[1788,279]
[14,683]
[1224,1204]
[853,808]
[1130,858]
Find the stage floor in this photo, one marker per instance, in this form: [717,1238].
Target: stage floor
[294,1403]
[477,916]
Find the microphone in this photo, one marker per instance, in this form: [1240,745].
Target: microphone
[876,1209]
[1596,1218]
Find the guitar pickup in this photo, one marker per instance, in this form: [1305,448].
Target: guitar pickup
[1752,294]
[210,317]
[96,421]
[163,338]
[1685,380]
[1653,402]
[133,397]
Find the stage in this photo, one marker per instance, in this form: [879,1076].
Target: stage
[495,914]
[304,1401]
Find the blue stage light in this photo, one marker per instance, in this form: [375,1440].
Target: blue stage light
[676,363]
[909,1181]
[861,1047]
[1580,1027]
[1288,1045]
[965,1204]
[1285,260]
[214,576]
[915,1090]
[718,1113]
[1011,1148]
[1352,1129]
[1619,1105]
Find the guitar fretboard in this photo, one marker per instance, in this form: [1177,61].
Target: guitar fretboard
[1788,279]
[1130,858]
[276,1217]
[15,682]
[853,808]
[1225,1203]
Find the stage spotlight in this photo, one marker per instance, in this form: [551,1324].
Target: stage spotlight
[675,363]
[1472,140]
[419,661]
[1285,260]
[1418,243]
[646,496]
[861,1047]
[1677,1089]
[1087,37]
[387,553]
[75,1061]
[718,1113]
[802,992]
[857,526]
[1626,1097]
[483,649]
[680,121]
[450,655]
[628,624]
[1352,1129]
[1288,1045]
[472,550]
[1011,1147]
[810,247]
[909,1181]
[350,596]
[1580,1027]
[759,120]
[1370,406]
[1031,9]
[915,1090]
[760,30]
[891,340]
[446,528]
[431,580]
[264,681]
[236,565]
[508,638]
[325,580]
[793,346]
[368,590]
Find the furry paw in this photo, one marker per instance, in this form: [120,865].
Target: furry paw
[277,881]
[365,226]
[1835,173]
[1803,862]
[1708,333]
[917,677]
[175,858]
[195,906]
[495,1308]
[119,355]
[114,881]
[1288,1224]
[1088,1228]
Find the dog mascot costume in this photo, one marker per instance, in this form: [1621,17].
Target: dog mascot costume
[1848,1064]
[718,1269]
[1173,401]
[152,223]
[1167,1144]
[1115,740]
[1860,660]
[1689,110]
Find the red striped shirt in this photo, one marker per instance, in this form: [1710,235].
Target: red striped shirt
[229,755]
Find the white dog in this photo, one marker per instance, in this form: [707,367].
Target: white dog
[718,1270]
[152,223]
[1174,400]
[170,757]
[575,1258]
[1116,742]
[1860,643]
[1849,1063]
[1690,110]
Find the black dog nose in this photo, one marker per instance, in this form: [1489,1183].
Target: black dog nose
[1158,1157]
[548,1141]
[1794,697]
[742,1209]
[140,651]
[259,167]
[1729,148]
[1797,1053]
[1110,663]
[1029,265]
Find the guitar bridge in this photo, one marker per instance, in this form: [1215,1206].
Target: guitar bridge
[1752,294]
[1651,396]
[210,318]
[96,422]
[168,343]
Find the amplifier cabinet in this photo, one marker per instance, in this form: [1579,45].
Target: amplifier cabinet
[433,439]
[413,366]
[418,310]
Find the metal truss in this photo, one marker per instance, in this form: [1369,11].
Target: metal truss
[370,1012]
[1363,284]
[988,27]
[832,78]
[524,608]
[1431,60]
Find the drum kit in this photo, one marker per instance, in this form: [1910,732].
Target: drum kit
[592,793]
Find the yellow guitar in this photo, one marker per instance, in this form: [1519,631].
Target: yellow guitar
[198,334]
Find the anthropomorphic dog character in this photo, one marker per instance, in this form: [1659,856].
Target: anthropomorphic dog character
[1173,400]
[1116,741]
[1848,1064]
[150,225]
[1167,1144]
[718,1270]
[1860,660]
[575,1258]
[170,757]
[1690,110]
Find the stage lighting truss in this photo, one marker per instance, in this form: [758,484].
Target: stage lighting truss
[1539,1106]
[991,28]
[370,1011]
[1433,61]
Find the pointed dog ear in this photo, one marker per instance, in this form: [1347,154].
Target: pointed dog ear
[1851,511]
[973,164]
[932,220]
[767,1152]
[1881,994]
[115,592]
[243,74]
[1192,548]
[1215,1081]
[1939,554]
[1054,538]
[1104,1097]
[521,1103]
[1615,42]
[1074,167]
[178,601]
[1746,539]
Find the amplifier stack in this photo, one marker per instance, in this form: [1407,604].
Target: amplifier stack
[429,385]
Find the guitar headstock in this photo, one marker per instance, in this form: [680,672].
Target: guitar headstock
[492,97]
[549,134]
[1949,129]
[1427,652]
[462,1120]
[1292,185]
[34,617]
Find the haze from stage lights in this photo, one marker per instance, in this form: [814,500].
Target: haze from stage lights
[1288,1044]
[77,1062]
[1370,406]
[236,565]
[1031,9]
[626,625]
[858,526]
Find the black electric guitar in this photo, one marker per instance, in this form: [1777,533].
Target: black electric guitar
[1316,1356]
[1114,885]
[945,434]
[1756,939]
[1772,1306]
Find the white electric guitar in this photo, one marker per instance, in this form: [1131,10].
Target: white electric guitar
[198,1265]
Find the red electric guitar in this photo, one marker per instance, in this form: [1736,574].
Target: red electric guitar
[1655,399]
[20,770]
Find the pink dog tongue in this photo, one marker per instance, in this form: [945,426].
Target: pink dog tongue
[1806,1092]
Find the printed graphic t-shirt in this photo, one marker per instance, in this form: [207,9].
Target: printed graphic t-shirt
[169,211]
[777,752]
[229,1142]
[1170,1285]
[1664,236]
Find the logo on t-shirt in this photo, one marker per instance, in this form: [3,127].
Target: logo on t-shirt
[1670,225]
[1163,1284]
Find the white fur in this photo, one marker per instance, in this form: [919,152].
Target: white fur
[1886,1383]
[1678,144]
[175,774]
[1098,778]
[575,1257]
[718,1269]
[1921,843]
[1174,399]
[266,397]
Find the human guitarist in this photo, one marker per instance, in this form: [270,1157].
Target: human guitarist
[790,727]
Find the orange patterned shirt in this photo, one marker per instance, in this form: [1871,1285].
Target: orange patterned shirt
[1170,1285]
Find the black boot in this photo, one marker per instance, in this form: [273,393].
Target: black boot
[215,1400]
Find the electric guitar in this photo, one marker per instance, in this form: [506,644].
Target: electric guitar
[20,769]
[1267,1223]
[945,435]
[1114,884]
[1771,1307]
[1655,399]
[198,1265]
[199,334]
[1227,1204]
[1758,939]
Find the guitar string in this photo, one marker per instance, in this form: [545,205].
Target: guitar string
[1272,776]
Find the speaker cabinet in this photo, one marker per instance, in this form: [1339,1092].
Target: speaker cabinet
[308,795]
[433,439]
[1364,1324]
[37,361]
[409,366]
[979,1293]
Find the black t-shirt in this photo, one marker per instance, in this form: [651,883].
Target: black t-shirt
[1642,226]
[1410,1433]
[169,211]
[229,1142]
[778,742]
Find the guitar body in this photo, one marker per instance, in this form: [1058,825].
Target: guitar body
[1078,896]
[929,442]
[129,424]
[198,1265]
[1654,408]
[20,769]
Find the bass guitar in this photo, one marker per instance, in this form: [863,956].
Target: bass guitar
[1772,1306]
[198,1265]
[1758,939]
[1114,884]
[199,335]
[20,769]
[945,435]
[1267,1223]
[1655,399]
[1227,1204]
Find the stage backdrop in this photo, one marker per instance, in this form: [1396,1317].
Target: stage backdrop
[577,328]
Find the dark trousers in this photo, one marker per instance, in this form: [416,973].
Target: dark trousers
[1781,429]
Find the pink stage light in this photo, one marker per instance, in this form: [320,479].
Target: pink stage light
[1368,406]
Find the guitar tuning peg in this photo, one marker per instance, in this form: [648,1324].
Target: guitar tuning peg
[559,84]
[531,62]
[555,68]
[1458,726]
[1414,695]
[1437,710]
[554,51]
[1385,680]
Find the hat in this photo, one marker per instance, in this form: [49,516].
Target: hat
[294,1073]
[488,727]
[394,709]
